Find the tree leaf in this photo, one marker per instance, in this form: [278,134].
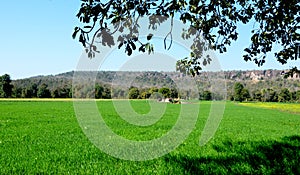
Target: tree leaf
[149,36]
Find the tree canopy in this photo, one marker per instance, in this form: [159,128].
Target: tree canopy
[275,23]
[5,86]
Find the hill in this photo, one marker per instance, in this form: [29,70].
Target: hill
[120,82]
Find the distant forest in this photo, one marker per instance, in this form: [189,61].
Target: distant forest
[257,85]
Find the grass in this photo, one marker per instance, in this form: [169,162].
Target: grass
[39,137]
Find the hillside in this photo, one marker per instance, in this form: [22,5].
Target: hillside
[216,82]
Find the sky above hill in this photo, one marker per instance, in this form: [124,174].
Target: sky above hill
[36,40]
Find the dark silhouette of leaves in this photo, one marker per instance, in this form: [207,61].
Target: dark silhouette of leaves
[277,23]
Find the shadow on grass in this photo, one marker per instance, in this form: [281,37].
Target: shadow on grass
[266,157]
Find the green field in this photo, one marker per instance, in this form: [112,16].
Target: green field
[285,107]
[39,137]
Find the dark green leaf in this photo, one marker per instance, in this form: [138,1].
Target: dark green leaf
[149,36]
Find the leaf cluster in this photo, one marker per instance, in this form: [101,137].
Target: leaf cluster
[212,24]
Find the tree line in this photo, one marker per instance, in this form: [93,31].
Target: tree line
[100,91]
[7,90]
[241,93]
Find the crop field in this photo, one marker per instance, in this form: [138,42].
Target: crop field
[44,137]
[285,107]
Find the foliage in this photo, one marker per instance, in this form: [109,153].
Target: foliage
[62,92]
[145,94]
[297,96]
[269,95]
[284,95]
[102,91]
[153,89]
[276,23]
[206,95]
[174,93]
[165,92]
[34,89]
[17,92]
[106,92]
[5,86]
[238,92]
[245,94]
[261,85]
[257,96]
[43,91]
[133,93]
[30,91]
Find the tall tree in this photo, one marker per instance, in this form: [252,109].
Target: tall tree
[284,95]
[43,91]
[27,93]
[166,92]
[238,89]
[34,90]
[276,23]
[5,86]
[173,93]
[17,92]
[245,94]
[133,93]
[98,91]
[106,94]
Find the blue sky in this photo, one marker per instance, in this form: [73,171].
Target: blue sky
[36,40]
